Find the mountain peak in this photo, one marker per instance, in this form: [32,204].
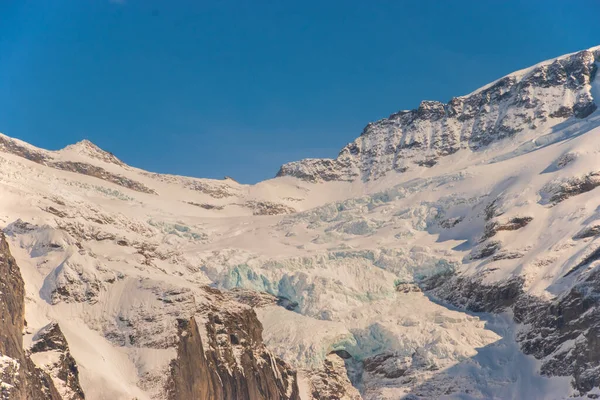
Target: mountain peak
[88,149]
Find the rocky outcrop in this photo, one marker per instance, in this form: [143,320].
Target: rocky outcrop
[20,379]
[62,368]
[226,360]
[563,332]
[474,295]
[330,382]
[513,224]
[562,190]
[590,231]
[548,93]
[574,317]
[268,208]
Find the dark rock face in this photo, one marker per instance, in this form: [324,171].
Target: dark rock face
[515,103]
[591,231]
[315,170]
[472,294]
[578,185]
[22,379]
[230,363]
[331,382]
[511,225]
[51,338]
[486,250]
[384,365]
[268,208]
[575,316]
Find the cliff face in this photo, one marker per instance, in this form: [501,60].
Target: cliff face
[63,370]
[20,378]
[544,95]
[232,363]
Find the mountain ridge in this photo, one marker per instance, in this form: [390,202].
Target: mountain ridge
[555,89]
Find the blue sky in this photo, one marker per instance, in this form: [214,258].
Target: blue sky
[215,88]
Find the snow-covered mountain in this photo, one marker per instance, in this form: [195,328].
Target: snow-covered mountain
[448,252]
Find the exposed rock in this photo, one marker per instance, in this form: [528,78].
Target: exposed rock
[56,212]
[486,250]
[472,294]
[64,370]
[561,191]
[330,382]
[507,255]
[590,231]
[206,206]
[21,149]
[513,224]
[228,362]
[260,299]
[385,365]
[269,208]
[587,260]
[20,378]
[501,110]
[450,222]
[572,317]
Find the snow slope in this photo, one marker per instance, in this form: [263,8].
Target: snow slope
[367,252]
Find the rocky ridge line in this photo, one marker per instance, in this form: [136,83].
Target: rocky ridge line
[545,95]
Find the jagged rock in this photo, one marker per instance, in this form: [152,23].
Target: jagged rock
[268,208]
[64,370]
[260,299]
[330,382]
[472,294]
[486,250]
[206,206]
[501,110]
[20,378]
[404,287]
[513,224]
[574,316]
[228,362]
[384,364]
[561,191]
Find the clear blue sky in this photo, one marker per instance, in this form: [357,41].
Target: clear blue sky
[214,88]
